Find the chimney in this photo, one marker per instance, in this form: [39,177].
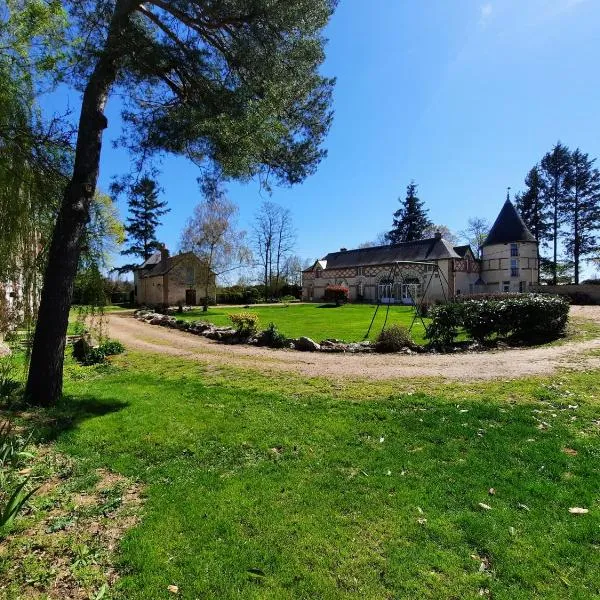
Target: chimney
[438,235]
[343,249]
[164,253]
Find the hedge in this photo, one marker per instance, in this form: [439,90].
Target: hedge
[527,317]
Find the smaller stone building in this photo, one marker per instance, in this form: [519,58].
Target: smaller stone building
[173,280]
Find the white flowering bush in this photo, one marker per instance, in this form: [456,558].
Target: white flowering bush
[526,317]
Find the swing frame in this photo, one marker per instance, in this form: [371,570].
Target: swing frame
[418,312]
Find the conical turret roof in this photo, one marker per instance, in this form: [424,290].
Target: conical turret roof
[508,227]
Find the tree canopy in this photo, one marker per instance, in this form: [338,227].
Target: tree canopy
[233,85]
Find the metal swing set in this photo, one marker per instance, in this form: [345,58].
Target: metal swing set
[418,308]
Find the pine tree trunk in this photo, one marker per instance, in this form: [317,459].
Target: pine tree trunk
[44,384]
[555,240]
[576,237]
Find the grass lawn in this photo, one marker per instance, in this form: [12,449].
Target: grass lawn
[280,487]
[349,322]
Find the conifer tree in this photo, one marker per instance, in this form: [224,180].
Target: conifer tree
[533,210]
[410,220]
[555,170]
[235,85]
[145,209]
[581,210]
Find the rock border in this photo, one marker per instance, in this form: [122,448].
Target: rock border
[229,335]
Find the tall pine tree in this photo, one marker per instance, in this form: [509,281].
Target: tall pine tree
[410,220]
[581,210]
[555,170]
[533,210]
[145,211]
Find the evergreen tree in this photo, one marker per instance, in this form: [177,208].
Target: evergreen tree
[196,78]
[581,210]
[145,209]
[555,171]
[533,210]
[410,220]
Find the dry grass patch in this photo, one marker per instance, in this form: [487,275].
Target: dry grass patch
[64,545]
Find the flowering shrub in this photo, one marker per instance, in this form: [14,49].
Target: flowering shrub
[525,317]
[245,323]
[336,293]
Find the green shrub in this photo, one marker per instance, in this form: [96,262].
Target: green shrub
[272,337]
[393,339]
[112,347]
[526,317]
[246,323]
[446,321]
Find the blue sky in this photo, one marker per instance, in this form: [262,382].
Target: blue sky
[462,96]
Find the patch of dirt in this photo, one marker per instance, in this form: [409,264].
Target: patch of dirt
[498,364]
[63,546]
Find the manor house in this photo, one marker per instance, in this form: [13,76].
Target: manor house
[432,269]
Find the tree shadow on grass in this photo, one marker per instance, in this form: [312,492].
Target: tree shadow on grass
[47,424]
[330,306]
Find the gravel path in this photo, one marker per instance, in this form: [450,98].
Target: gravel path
[500,364]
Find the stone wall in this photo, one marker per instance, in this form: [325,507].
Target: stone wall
[577,292]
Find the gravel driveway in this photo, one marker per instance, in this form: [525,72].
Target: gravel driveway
[498,364]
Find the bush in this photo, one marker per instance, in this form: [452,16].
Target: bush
[88,355]
[272,337]
[246,323]
[446,321]
[336,293]
[393,339]
[112,347]
[526,317]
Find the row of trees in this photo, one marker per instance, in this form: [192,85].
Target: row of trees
[561,207]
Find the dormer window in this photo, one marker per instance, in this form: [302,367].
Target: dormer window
[514,249]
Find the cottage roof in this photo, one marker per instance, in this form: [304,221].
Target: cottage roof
[155,267]
[421,250]
[508,227]
[462,250]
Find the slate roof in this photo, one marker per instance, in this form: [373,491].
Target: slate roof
[154,267]
[422,250]
[508,227]
[462,250]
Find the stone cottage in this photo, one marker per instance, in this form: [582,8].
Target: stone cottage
[432,268]
[172,280]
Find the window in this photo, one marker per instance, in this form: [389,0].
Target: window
[522,286]
[359,271]
[429,268]
[189,275]
[317,274]
[514,267]
[506,286]
[514,249]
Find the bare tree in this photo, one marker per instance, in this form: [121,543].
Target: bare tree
[274,241]
[476,233]
[212,235]
[446,232]
[293,267]
[380,240]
